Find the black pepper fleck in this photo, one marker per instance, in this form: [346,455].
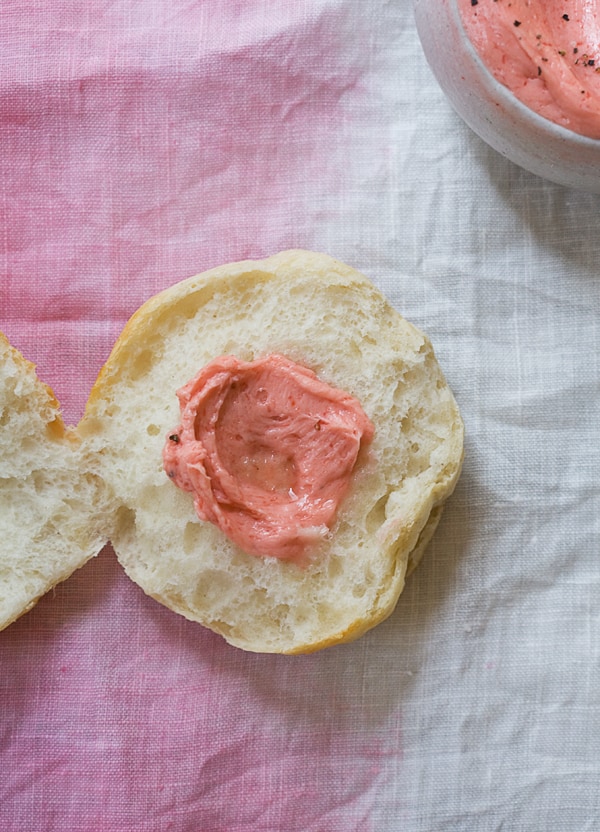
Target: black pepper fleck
[517,23]
[174,438]
[565,16]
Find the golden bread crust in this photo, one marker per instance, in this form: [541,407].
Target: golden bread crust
[332,319]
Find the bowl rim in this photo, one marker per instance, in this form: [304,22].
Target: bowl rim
[500,90]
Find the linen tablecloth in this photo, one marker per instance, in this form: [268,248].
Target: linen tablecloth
[143,141]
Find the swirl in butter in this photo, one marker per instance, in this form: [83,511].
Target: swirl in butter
[268,451]
[546,52]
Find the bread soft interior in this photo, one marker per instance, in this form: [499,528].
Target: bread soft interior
[50,504]
[330,318]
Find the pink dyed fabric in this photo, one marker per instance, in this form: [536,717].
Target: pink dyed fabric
[142,142]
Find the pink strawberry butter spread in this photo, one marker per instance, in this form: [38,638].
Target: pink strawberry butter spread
[267,450]
[547,52]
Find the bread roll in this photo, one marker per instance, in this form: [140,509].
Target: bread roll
[330,319]
[50,504]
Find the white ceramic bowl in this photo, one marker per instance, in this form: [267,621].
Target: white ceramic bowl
[493,112]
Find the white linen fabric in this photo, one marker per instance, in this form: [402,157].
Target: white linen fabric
[476,706]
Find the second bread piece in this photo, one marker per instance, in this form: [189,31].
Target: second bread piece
[327,317]
[52,509]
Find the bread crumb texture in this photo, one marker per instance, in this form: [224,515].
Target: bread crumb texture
[50,503]
[325,316]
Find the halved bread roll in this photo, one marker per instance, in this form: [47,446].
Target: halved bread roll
[50,504]
[324,316]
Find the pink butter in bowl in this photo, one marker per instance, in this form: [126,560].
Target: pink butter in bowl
[525,76]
